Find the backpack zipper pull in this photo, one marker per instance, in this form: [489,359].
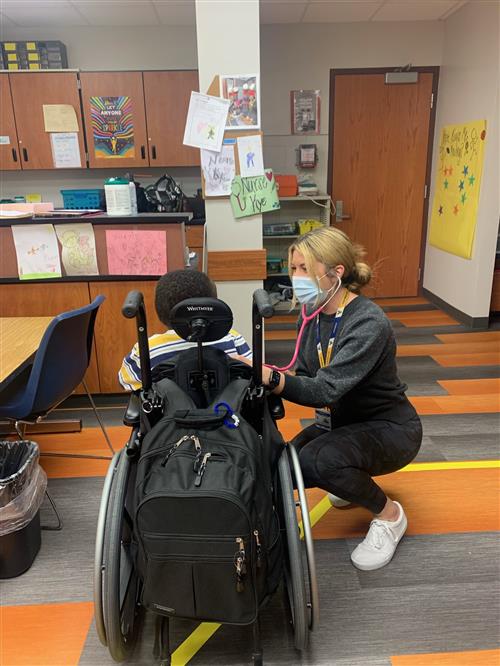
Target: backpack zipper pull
[201,470]
[257,540]
[240,564]
[173,448]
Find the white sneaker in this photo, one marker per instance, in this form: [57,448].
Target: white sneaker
[338,502]
[379,545]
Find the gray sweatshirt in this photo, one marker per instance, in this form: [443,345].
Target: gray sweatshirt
[361,382]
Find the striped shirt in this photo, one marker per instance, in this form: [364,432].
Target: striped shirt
[164,346]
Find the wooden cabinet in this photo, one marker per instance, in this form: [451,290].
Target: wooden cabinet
[44,300]
[30,91]
[9,149]
[115,85]
[115,335]
[167,96]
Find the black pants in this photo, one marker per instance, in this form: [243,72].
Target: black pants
[344,460]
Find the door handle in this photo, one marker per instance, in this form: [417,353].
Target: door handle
[153,152]
[143,152]
[339,212]
[25,155]
[14,154]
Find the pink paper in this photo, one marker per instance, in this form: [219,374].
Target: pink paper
[136,252]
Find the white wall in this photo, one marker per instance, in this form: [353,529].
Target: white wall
[301,56]
[468,90]
[89,48]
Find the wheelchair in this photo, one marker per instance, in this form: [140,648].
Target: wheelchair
[117,582]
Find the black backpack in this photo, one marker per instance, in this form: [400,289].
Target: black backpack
[208,532]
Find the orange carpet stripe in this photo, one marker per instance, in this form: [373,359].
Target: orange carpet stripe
[482,336]
[457,360]
[44,635]
[456,404]
[412,300]
[436,502]
[472,658]
[423,318]
[452,348]
[471,386]
[298,411]
[289,334]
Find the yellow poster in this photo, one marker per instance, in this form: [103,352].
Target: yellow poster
[456,194]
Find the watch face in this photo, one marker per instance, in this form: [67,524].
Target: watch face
[274,379]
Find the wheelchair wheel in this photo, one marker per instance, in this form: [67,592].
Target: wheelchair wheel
[121,583]
[313,602]
[294,573]
[99,550]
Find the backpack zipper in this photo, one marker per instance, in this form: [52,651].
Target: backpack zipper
[257,541]
[240,564]
[175,446]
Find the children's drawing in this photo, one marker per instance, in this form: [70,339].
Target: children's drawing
[205,122]
[136,252]
[252,196]
[112,127]
[36,251]
[243,93]
[456,188]
[218,171]
[250,155]
[78,248]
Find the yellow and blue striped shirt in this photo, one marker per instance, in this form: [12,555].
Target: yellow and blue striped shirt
[163,346]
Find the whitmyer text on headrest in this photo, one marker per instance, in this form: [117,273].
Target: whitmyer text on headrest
[196,308]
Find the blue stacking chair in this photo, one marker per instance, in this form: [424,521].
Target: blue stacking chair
[59,366]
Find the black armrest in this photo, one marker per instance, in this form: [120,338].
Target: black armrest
[132,415]
[276,406]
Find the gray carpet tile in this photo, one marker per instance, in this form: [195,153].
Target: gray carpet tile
[63,569]
[485,446]
[429,451]
[461,424]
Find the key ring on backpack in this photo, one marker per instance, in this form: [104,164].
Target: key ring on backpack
[229,414]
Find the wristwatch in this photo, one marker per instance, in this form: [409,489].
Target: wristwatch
[274,379]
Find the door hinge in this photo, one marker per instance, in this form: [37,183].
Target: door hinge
[425,191]
[432,100]
[419,274]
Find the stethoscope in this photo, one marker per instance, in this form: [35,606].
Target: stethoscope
[305,320]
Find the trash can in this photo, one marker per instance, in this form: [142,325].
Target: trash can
[22,487]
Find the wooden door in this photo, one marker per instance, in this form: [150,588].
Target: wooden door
[167,97]
[381,140]
[30,91]
[9,149]
[44,300]
[120,141]
[115,335]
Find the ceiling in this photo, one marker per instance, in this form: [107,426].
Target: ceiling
[57,13]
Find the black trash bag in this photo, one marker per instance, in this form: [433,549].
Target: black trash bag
[22,484]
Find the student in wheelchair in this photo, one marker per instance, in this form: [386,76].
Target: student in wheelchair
[172,288]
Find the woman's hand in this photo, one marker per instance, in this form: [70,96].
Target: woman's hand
[266,373]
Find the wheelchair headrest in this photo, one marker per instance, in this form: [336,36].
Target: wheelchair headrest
[201,319]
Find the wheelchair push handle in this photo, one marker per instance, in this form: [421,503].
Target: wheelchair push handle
[263,303]
[133,307]
[262,308]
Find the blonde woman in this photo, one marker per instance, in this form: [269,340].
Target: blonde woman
[346,368]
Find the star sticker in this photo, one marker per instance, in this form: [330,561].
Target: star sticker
[455,210]
[471,180]
[461,185]
[466,170]
[446,183]
[463,197]
[440,210]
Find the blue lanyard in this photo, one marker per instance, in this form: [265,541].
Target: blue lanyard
[325,360]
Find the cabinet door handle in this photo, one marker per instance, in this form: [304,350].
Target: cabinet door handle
[25,155]
[14,154]
[153,152]
[143,152]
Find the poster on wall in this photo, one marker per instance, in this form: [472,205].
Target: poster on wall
[243,93]
[305,109]
[456,189]
[255,195]
[136,252]
[112,127]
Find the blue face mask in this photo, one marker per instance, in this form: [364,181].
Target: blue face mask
[307,291]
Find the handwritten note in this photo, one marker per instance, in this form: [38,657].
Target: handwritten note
[252,196]
[218,171]
[59,118]
[205,122]
[136,252]
[250,155]
[65,150]
[78,248]
[36,251]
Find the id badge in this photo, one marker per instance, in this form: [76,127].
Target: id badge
[323,419]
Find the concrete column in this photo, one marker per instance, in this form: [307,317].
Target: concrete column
[228,38]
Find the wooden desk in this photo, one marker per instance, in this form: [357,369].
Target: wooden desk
[19,339]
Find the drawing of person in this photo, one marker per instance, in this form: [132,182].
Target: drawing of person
[211,132]
[250,162]
[114,142]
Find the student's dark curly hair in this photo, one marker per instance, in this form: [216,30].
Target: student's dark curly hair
[174,287]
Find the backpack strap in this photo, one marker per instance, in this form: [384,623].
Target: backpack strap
[175,398]
[233,394]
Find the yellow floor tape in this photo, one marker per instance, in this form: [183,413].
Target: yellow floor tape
[204,631]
